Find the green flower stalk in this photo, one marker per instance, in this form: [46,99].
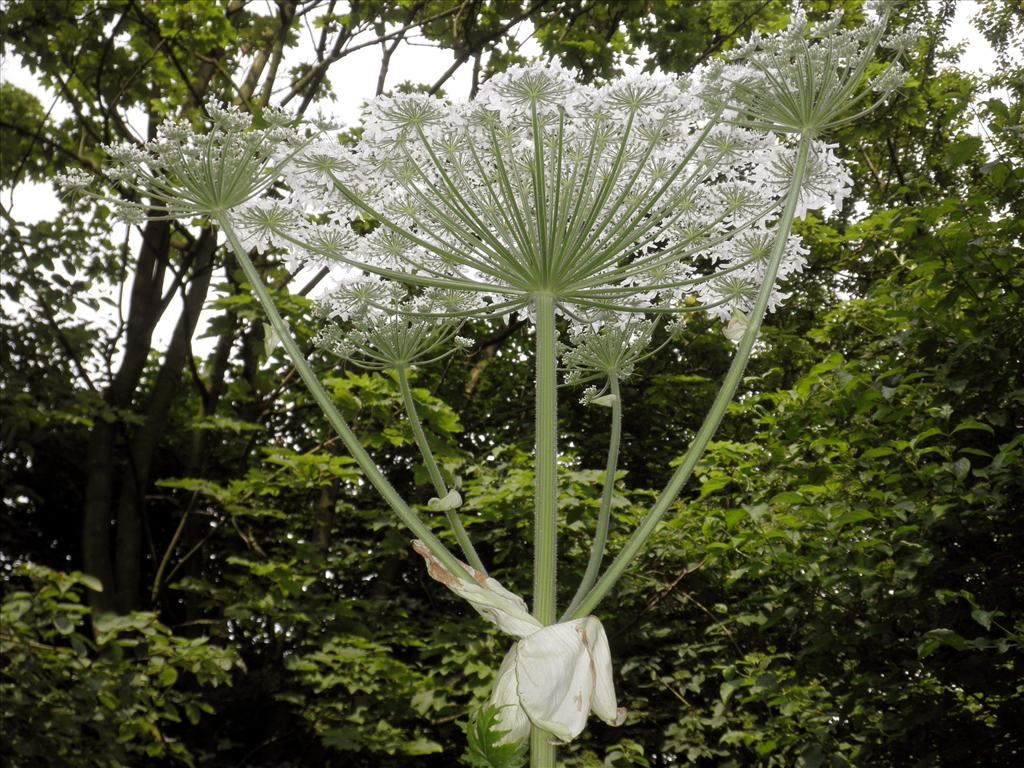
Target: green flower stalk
[384,333]
[606,352]
[593,210]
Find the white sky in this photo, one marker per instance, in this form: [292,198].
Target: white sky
[354,80]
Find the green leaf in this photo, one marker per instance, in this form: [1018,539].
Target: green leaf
[962,150]
[107,700]
[63,624]
[875,453]
[90,581]
[788,498]
[830,363]
[936,638]
[960,468]
[168,676]
[852,516]
[922,436]
[484,733]
[421,746]
[733,517]
[726,690]
[983,617]
[972,424]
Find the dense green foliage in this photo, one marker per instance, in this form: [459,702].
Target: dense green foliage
[840,586]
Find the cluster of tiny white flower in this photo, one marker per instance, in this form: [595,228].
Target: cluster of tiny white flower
[378,325]
[598,352]
[808,78]
[628,197]
[182,174]
[642,195]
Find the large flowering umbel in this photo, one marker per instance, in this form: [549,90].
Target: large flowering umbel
[610,198]
[810,78]
[641,197]
[184,174]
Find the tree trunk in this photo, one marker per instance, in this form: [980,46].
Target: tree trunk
[103,458]
[146,440]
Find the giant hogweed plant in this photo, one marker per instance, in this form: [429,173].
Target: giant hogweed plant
[596,212]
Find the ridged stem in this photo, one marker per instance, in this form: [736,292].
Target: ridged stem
[542,749]
[545,520]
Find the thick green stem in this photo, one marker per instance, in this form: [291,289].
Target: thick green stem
[604,515]
[323,399]
[545,520]
[435,472]
[542,749]
[718,408]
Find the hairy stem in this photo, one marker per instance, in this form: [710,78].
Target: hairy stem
[468,550]
[718,407]
[323,399]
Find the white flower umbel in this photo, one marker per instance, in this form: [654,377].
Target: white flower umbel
[809,78]
[554,676]
[379,326]
[610,198]
[184,174]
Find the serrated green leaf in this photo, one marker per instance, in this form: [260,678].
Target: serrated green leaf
[484,733]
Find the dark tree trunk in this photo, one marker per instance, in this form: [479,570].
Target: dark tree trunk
[103,460]
[131,506]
